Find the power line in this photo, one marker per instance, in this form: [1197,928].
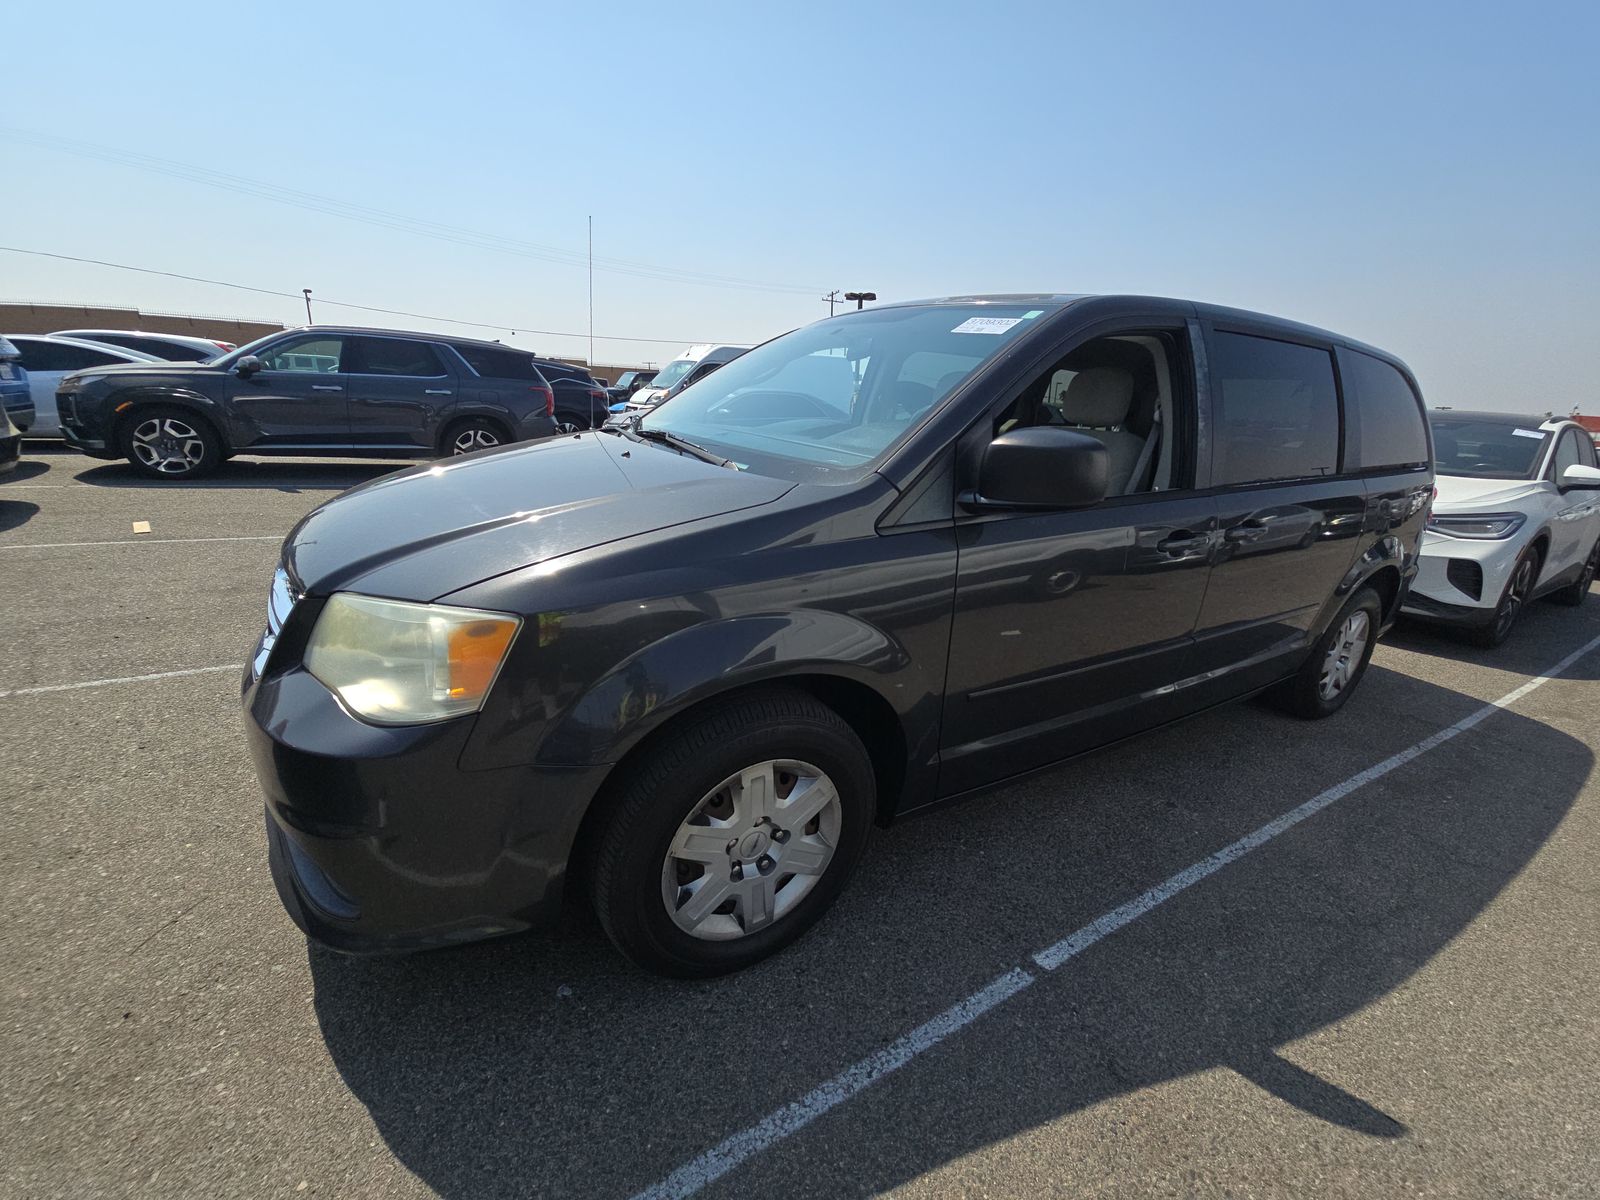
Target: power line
[332,206]
[389,312]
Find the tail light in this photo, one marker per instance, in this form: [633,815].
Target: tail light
[597,394]
[549,399]
[224,345]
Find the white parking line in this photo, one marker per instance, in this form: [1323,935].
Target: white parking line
[91,683]
[144,541]
[719,1160]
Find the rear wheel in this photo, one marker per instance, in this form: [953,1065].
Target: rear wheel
[567,422]
[1513,598]
[1337,662]
[472,435]
[1577,591]
[733,835]
[168,442]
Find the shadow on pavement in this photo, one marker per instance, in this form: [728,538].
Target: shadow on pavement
[546,1066]
[15,513]
[259,473]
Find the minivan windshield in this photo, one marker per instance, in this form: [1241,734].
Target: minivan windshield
[673,371]
[835,395]
[1481,447]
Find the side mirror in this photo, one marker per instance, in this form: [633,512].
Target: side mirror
[247,366]
[1042,466]
[1581,477]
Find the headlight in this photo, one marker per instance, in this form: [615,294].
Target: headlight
[1479,526]
[405,664]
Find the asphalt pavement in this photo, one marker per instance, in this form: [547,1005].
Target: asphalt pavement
[1393,995]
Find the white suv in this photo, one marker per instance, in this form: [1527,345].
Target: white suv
[1516,516]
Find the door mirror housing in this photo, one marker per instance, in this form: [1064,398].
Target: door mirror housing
[1581,477]
[1042,467]
[248,366]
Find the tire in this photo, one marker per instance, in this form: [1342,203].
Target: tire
[164,441]
[731,903]
[569,423]
[1338,661]
[1514,598]
[470,435]
[1576,592]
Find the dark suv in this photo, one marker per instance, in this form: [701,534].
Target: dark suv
[892,558]
[581,401]
[324,390]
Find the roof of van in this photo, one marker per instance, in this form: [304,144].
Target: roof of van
[1055,301]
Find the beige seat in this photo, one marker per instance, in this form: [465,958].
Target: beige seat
[1096,403]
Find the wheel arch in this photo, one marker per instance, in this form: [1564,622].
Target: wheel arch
[125,407]
[458,418]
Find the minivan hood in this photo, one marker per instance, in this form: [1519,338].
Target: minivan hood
[425,532]
[1461,491]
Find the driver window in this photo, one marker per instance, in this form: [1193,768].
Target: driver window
[305,356]
[1568,454]
[1120,391]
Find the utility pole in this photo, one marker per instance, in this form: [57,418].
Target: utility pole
[591,293]
[307,291]
[831,299]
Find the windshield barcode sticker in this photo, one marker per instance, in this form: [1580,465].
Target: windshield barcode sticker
[1533,433]
[987,325]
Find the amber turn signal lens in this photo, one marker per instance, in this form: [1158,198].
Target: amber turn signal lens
[475,654]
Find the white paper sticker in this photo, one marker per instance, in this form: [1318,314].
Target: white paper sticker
[1533,433]
[987,325]
[1028,316]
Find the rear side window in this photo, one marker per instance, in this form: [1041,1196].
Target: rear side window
[1383,419]
[1277,410]
[494,363]
[392,356]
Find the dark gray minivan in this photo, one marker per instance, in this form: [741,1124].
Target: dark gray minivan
[895,557]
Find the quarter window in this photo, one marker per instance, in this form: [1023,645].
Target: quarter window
[305,356]
[1277,410]
[1568,454]
[1384,419]
[392,356]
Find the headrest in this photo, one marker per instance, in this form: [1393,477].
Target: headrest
[1098,396]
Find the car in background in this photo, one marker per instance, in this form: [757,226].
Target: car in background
[581,403]
[629,383]
[1516,516]
[322,390]
[10,443]
[693,365]
[890,559]
[172,347]
[49,359]
[16,395]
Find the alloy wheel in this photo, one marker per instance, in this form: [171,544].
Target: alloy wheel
[1517,592]
[751,849]
[476,438]
[1344,656]
[566,426]
[168,445]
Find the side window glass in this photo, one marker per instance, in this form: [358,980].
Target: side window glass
[1384,422]
[1568,454]
[1130,393]
[392,356]
[1277,411]
[41,356]
[305,356]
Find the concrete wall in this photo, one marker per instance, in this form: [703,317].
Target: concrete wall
[47,318]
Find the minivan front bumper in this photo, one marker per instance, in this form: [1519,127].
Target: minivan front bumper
[379,841]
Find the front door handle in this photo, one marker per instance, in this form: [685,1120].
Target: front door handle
[326,387]
[435,391]
[1183,541]
[1245,531]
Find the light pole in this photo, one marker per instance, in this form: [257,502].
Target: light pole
[860,298]
[307,292]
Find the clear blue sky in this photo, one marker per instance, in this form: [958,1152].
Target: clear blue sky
[1423,177]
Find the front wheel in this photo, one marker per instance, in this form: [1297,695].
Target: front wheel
[167,442]
[733,835]
[1513,598]
[1337,662]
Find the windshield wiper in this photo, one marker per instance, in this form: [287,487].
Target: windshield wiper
[668,438]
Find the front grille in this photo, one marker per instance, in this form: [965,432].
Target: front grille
[1465,575]
[280,603]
